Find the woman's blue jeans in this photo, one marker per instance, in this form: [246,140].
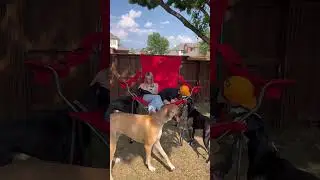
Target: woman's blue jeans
[155,101]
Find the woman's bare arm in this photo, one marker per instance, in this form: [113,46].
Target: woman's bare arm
[156,88]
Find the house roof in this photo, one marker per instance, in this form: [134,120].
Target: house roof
[195,52]
[181,46]
[173,52]
[122,48]
[114,37]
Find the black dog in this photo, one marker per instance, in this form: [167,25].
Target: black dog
[264,161]
[96,97]
[124,104]
[199,121]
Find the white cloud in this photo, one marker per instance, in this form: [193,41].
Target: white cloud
[148,25]
[144,31]
[185,39]
[125,24]
[165,22]
[128,20]
[176,40]
[120,33]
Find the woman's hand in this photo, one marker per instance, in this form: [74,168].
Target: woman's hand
[166,102]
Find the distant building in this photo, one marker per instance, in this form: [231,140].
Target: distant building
[144,51]
[122,50]
[112,50]
[114,41]
[188,49]
[115,45]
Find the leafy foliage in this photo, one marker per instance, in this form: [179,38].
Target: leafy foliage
[198,12]
[157,45]
[204,46]
[133,51]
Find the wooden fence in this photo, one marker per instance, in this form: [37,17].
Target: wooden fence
[194,71]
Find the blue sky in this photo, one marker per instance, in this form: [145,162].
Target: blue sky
[132,24]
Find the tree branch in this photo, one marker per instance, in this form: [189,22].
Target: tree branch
[208,2]
[184,21]
[202,9]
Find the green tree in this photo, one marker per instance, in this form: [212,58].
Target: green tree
[133,51]
[144,50]
[198,12]
[204,46]
[157,45]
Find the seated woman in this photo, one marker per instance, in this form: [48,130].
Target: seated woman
[149,90]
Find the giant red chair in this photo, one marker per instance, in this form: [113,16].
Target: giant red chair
[166,72]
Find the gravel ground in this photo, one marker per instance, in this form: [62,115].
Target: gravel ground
[300,145]
[189,162]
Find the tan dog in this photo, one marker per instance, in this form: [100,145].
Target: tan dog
[146,129]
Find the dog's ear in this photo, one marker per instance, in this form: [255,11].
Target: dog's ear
[170,113]
[165,110]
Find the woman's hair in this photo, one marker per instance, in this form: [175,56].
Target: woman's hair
[148,75]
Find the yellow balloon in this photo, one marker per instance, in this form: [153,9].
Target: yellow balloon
[185,90]
[239,91]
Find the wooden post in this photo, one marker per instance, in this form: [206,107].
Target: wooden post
[17,81]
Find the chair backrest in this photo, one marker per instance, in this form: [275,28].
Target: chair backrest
[165,69]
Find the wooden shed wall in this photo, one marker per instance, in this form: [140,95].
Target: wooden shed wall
[40,25]
[279,39]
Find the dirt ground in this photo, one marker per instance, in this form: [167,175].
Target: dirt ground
[190,162]
[300,145]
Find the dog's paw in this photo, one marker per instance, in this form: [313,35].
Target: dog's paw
[192,143]
[117,160]
[151,168]
[172,167]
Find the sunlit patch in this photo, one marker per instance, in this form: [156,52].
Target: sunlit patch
[314,166]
